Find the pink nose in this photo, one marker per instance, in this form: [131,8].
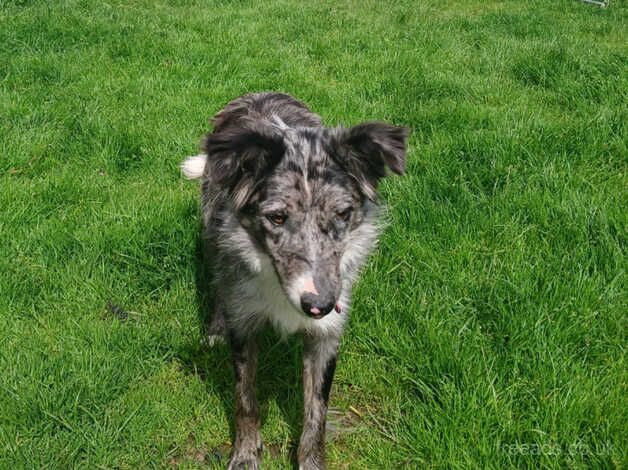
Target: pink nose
[309,287]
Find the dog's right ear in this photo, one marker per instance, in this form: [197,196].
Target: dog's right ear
[238,157]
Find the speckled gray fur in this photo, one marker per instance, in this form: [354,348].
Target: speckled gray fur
[290,215]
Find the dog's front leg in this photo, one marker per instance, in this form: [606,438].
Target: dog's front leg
[319,364]
[247,448]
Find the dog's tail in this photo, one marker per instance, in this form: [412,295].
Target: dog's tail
[193,167]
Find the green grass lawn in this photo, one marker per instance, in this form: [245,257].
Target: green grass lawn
[489,328]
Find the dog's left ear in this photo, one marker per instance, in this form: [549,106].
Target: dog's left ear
[367,150]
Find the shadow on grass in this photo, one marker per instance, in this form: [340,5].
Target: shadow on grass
[279,366]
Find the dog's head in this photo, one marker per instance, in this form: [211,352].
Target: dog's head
[301,193]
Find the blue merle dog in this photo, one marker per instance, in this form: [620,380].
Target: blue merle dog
[290,214]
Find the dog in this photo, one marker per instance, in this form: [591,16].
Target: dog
[290,214]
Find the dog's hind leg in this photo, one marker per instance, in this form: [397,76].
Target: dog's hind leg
[247,447]
[319,364]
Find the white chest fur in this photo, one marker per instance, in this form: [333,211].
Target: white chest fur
[261,299]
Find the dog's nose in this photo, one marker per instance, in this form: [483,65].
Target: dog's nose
[316,306]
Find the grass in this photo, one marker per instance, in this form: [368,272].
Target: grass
[489,328]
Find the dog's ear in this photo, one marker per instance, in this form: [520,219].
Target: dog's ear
[239,157]
[367,150]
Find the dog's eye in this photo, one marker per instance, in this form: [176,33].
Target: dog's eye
[344,214]
[277,218]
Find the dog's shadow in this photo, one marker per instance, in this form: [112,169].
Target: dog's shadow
[279,367]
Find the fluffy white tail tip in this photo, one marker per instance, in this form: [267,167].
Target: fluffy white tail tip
[193,167]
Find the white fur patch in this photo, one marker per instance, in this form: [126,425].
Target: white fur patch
[261,299]
[213,340]
[193,167]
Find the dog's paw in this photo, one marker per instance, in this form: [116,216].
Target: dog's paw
[312,464]
[248,455]
[216,330]
[313,459]
[213,340]
[241,462]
